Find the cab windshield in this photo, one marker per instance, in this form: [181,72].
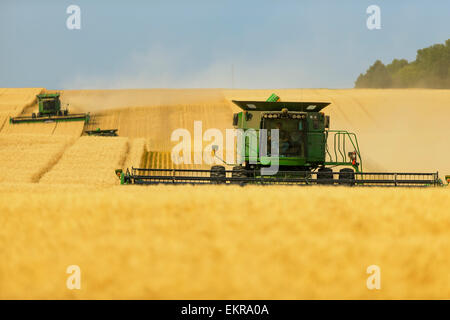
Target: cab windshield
[49,105]
[291,136]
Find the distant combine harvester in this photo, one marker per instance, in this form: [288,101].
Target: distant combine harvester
[50,111]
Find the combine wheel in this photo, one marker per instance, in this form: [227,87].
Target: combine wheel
[324,176]
[347,177]
[33,115]
[217,172]
[239,172]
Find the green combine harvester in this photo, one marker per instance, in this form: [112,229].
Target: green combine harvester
[308,151]
[50,111]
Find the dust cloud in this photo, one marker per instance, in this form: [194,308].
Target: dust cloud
[100,100]
[397,129]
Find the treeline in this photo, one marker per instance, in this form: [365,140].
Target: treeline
[431,69]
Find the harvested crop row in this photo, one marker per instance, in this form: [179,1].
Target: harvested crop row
[135,153]
[30,128]
[91,160]
[71,128]
[163,160]
[24,157]
[13,101]
[157,123]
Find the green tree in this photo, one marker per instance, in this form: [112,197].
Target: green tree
[431,69]
[396,65]
[406,77]
[377,76]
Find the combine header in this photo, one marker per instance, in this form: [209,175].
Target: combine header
[308,153]
[102,133]
[50,111]
[243,177]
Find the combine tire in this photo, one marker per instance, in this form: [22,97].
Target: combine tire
[33,115]
[325,176]
[347,177]
[217,174]
[239,172]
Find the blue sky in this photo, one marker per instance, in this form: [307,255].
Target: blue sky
[194,44]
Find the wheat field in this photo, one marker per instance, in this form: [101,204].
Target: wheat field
[13,101]
[25,158]
[61,204]
[90,161]
[214,243]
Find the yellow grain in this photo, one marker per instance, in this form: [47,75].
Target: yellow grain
[91,161]
[60,205]
[225,242]
[25,157]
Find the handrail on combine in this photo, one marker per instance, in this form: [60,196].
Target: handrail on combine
[339,146]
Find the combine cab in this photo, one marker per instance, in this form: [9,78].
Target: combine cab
[308,151]
[303,136]
[50,110]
